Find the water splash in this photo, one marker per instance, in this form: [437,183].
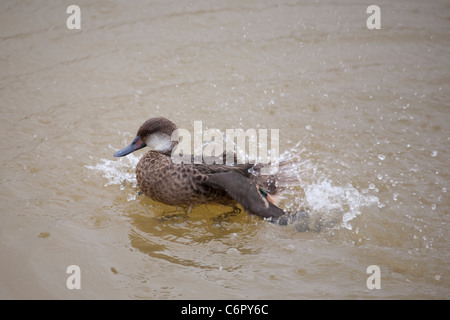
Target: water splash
[327,203]
[118,171]
[331,201]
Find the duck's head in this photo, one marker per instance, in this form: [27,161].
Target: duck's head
[155,133]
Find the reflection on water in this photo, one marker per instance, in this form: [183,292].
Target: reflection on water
[168,238]
[366,113]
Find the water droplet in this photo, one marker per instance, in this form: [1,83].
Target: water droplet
[381,157]
[290,247]
[433,207]
[232,251]
[380,176]
[434,153]
[371,186]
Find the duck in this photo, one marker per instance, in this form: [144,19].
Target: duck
[190,184]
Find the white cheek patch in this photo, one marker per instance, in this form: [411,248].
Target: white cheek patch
[159,142]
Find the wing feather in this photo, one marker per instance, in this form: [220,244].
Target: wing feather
[246,192]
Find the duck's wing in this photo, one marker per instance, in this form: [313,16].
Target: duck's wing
[246,192]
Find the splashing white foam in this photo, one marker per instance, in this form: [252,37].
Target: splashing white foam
[119,171]
[323,198]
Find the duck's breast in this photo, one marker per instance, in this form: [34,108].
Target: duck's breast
[174,184]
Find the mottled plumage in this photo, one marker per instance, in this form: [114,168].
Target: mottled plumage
[189,184]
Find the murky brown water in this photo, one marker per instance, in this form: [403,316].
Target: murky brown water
[366,110]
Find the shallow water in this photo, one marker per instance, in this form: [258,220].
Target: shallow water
[366,111]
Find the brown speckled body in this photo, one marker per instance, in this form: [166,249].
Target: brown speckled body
[189,184]
[181,184]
